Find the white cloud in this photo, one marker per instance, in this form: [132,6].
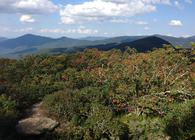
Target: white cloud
[185,36]
[67,20]
[141,23]
[27,19]
[79,30]
[54,31]
[100,10]
[27,6]
[175,23]
[119,21]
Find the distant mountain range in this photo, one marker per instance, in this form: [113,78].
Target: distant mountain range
[181,41]
[141,45]
[2,39]
[30,44]
[93,38]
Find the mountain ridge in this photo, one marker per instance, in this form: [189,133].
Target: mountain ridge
[141,45]
[3,39]
[30,43]
[25,40]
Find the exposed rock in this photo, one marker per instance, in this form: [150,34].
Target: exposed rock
[35,121]
[36,126]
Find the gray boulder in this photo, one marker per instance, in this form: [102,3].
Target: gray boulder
[36,126]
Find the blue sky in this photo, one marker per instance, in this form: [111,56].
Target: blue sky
[79,18]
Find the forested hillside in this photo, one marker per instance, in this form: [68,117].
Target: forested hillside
[29,44]
[96,95]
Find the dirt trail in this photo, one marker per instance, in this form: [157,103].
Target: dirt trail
[35,122]
[35,111]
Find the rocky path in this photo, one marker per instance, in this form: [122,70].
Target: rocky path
[35,122]
[35,111]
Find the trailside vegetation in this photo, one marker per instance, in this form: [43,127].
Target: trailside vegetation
[98,95]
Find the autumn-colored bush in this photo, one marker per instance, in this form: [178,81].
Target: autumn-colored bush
[107,94]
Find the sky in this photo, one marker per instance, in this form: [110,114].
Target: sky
[81,18]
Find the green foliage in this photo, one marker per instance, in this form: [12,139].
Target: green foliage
[146,84]
[178,47]
[180,122]
[8,116]
[7,107]
[69,132]
[28,80]
[61,105]
[74,105]
[106,94]
[144,128]
[193,50]
[102,125]
[192,44]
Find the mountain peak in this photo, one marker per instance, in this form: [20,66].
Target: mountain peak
[26,40]
[33,36]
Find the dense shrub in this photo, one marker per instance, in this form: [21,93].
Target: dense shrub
[8,116]
[144,128]
[107,94]
[74,104]
[180,121]
[102,124]
[129,83]
[8,107]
